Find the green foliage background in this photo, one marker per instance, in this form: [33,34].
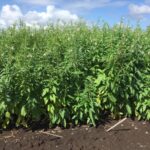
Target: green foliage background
[73,74]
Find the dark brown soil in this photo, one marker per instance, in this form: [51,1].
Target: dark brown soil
[130,135]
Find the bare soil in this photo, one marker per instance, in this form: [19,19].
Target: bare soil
[130,135]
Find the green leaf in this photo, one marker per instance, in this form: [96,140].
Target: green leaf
[54,118]
[81,115]
[54,89]
[46,100]
[64,123]
[101,77]
[62,113]
[128,109]
[23,111]
[76,121]
[53,98]
[45,91]
[144,107]
[112,98]
[91,117]
[7,114]
[50,108]
[148,115]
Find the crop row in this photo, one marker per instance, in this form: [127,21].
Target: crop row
[73,74]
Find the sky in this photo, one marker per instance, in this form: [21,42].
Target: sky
[41,12]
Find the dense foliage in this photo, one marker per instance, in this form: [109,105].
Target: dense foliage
[73,74]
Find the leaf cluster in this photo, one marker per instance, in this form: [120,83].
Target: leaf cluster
[73,74]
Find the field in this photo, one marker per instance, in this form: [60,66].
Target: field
[73,74]
[130,135]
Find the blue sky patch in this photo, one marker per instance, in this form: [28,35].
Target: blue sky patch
[40,12]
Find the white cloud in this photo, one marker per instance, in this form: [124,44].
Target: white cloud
[11,13]
[139,9]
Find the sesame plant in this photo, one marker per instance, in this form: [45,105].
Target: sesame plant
[73,73]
